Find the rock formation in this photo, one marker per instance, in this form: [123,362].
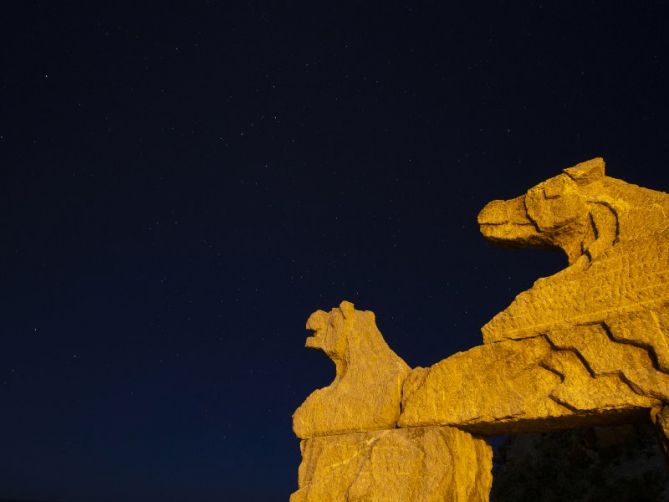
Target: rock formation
[351,448]
[587,346]
[424,464]
[367,388]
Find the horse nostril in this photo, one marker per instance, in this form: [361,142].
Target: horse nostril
[494,213]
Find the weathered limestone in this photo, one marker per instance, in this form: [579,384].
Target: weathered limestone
[422,464]
[366,392]
[587,346]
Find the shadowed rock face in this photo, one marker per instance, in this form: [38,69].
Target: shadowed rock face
[586,346]
[621,463]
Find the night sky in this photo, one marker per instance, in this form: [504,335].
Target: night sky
[181,186]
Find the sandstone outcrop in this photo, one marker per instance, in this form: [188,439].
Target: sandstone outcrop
[588,346]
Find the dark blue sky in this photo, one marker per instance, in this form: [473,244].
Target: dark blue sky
[181,186]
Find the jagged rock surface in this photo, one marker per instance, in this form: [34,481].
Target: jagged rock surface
[418,464]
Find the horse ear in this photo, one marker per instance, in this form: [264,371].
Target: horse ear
[347,308]
[587,172]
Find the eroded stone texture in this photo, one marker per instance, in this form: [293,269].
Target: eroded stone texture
[586,346]
[581,211]
[516,386]
[366,392]
[626,286]
[420,464]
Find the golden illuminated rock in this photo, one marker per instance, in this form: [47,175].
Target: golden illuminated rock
[588,345]
[512,386]
[352,449]
[421,464]
[367,389]
[616,238]
[581,211]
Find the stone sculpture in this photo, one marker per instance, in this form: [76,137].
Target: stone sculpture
[367,388]
[351,446]
[586,346]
